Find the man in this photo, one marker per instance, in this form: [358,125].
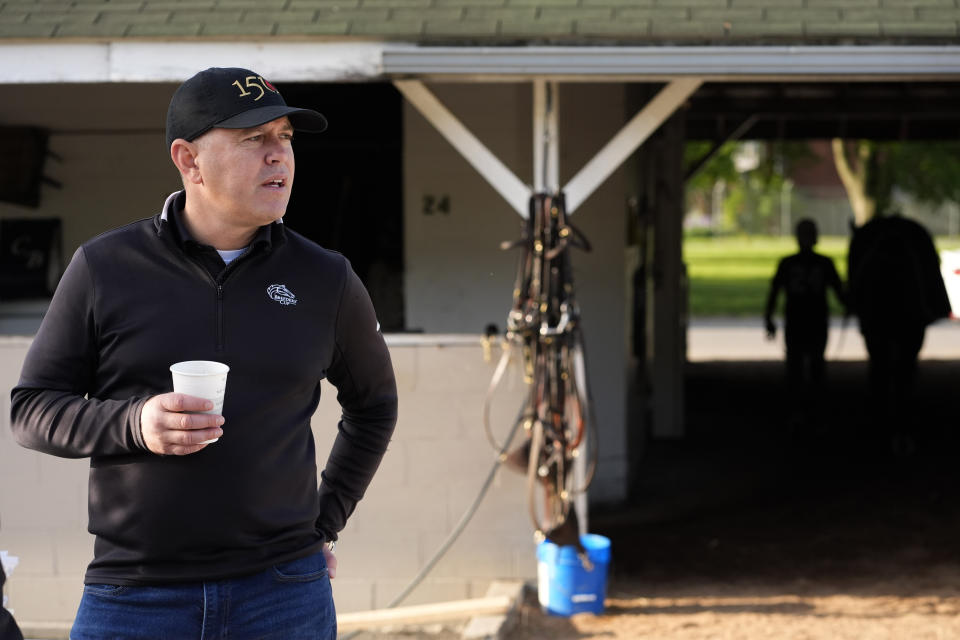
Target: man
[198,539]
[805,276]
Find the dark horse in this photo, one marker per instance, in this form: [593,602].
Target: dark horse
[896,291]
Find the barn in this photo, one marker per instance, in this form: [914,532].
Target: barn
[446,116]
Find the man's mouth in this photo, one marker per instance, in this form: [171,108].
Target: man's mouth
[276,183]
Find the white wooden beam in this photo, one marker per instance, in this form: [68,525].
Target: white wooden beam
[546,138]
[424,613]
[539,132]
[633,134]
[513,190]
[138,61]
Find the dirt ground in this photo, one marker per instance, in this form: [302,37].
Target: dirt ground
[745,613]
[758,525]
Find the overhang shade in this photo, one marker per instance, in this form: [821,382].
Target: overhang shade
[655,63]
[146,61]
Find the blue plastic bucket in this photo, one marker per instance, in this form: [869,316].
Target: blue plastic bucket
[564,586]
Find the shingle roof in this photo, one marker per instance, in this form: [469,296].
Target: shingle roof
[489,21]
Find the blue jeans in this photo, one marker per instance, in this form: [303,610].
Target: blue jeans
[290,601]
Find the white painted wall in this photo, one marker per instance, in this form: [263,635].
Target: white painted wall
[456,277]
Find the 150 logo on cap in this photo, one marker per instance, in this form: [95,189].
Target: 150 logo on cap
[254,82]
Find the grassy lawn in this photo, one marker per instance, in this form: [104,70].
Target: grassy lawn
[730,276]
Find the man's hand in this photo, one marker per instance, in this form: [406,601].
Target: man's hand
[771,328]
[168,430]
[331,561]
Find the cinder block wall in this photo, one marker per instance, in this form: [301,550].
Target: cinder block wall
[436,464]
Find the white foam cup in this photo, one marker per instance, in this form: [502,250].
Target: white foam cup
[204,379]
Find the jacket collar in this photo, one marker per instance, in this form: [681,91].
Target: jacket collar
[169,224]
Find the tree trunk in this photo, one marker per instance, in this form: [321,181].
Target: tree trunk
[855,179]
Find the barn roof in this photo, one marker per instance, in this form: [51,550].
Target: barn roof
[490,22]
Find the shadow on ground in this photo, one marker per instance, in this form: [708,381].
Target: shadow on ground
[748,497]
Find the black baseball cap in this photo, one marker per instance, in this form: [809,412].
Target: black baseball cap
[231,98]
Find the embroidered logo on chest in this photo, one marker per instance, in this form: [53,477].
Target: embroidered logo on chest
[280,293]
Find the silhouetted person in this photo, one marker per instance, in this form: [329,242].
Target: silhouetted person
[896,290]
[805,277]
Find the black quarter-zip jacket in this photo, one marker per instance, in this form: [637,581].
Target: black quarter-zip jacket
[284,316]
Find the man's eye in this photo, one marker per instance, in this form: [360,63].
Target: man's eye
[255,138]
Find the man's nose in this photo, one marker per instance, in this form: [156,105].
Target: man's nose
[278,151]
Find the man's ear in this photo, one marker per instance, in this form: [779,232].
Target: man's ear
[184,156]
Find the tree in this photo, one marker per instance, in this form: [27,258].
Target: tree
[753,196]
[718,168]
[872,171]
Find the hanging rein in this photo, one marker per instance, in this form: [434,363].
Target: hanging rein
[543,328]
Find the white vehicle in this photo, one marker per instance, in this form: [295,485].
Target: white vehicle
[950,269]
